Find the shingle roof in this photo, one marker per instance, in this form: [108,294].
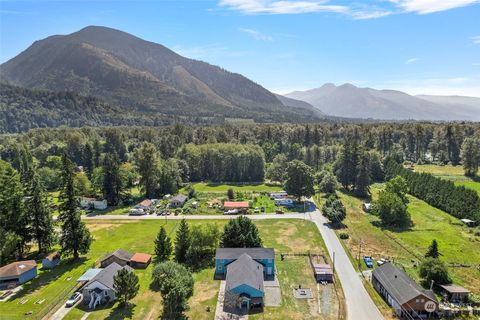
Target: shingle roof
[244,270]
[17,268]
[141,257]
[453,288]
[52,256]
[399,285]
[145,203]
[105,276]
[235,253]
[121,254]
[180,198]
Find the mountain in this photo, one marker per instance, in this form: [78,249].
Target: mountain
[289,102]
[350,101]
[143,76]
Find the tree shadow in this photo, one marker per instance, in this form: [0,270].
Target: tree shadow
[396,229]
[122,312]
[49,275]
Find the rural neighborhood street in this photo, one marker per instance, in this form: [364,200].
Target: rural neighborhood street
[359,304]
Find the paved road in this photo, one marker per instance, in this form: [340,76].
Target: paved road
[359,304]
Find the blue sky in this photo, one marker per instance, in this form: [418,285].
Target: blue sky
[419,46]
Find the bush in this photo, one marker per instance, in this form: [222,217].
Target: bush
[343,235]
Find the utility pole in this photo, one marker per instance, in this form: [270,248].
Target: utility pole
[359,253]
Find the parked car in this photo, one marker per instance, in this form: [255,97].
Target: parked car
[279,212]
[73,299]
[368,261]
[382,261]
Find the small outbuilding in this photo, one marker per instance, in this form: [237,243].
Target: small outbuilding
[468,222]
[51,261]
[17,273]
[234,207]
[278,194]
[322,272]
[455,293]
[93,203]
[178,201]
[140,260]
[119,256]
[367,207]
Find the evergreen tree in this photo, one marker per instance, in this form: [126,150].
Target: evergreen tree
[363,178]
[432,269]
[169,177]
[241,233]
[112,180]
[182,242]
[299,180]
[163,246]
[334,210]
[230,194]
[75,238]
[328,182]
[40,216]
[470,156]
[97,151]
[432,251]
[147,160]
[126,285]
[88,160]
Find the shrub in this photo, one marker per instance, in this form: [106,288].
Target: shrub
[343,235]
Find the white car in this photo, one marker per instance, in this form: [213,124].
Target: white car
[73,299]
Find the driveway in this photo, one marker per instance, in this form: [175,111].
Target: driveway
[62,312]
[359,304]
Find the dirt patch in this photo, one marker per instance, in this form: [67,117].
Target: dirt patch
[96,226]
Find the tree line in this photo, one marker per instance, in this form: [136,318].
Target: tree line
[458,201]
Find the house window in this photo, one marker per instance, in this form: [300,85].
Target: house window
[220,268]
[422,300]
[417,301]
[105,293]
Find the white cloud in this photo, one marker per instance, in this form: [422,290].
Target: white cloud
[257,35]
[282,7]
[411,61]
[476,39]
[476,64]
[430,6]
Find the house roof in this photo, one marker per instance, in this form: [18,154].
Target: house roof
[105,276]
[244,270]
[121,254]
[179,198]
[235,204]
[399,285]
[89,274]
[467,221]
[235,253]
[17,268]
[453,288]
[322,269]
[141,258]
[52,256]
[145,203]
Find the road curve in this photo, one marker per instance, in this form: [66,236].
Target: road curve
[359,304]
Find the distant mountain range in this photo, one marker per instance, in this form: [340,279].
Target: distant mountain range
[143,76]
[350,101]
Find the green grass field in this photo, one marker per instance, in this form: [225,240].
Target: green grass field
[137,236]
[453,173]
[457,243]
[214,187]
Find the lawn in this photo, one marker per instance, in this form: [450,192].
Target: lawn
[284,235]
[457,243]
[453,173]
[220,187]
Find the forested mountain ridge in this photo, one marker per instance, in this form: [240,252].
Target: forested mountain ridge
[143,76]
[350,101]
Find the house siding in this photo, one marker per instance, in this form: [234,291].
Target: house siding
[108,261]
[49,264]
[246,289]
[268,266]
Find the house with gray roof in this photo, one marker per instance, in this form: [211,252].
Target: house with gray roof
[178,201]
[402,293]
[119,256]
[244,271]
[99,289]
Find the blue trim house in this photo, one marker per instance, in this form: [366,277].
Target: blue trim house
[51,261]
[264,256]
[17,273]
[244,270]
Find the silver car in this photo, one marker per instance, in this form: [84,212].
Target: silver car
[73,299]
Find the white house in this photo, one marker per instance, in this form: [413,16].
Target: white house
[99,289]
[93,203]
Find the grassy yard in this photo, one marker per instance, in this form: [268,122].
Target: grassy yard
[453,173]
[56,285]
[457,243]
[219,187]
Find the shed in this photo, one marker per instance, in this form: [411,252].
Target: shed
[140,260]
[468,222]
[323,272]
[51,261]
[235,205]
[455,293]
[367,207]
[119,256]
[178,201]
[17,273]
